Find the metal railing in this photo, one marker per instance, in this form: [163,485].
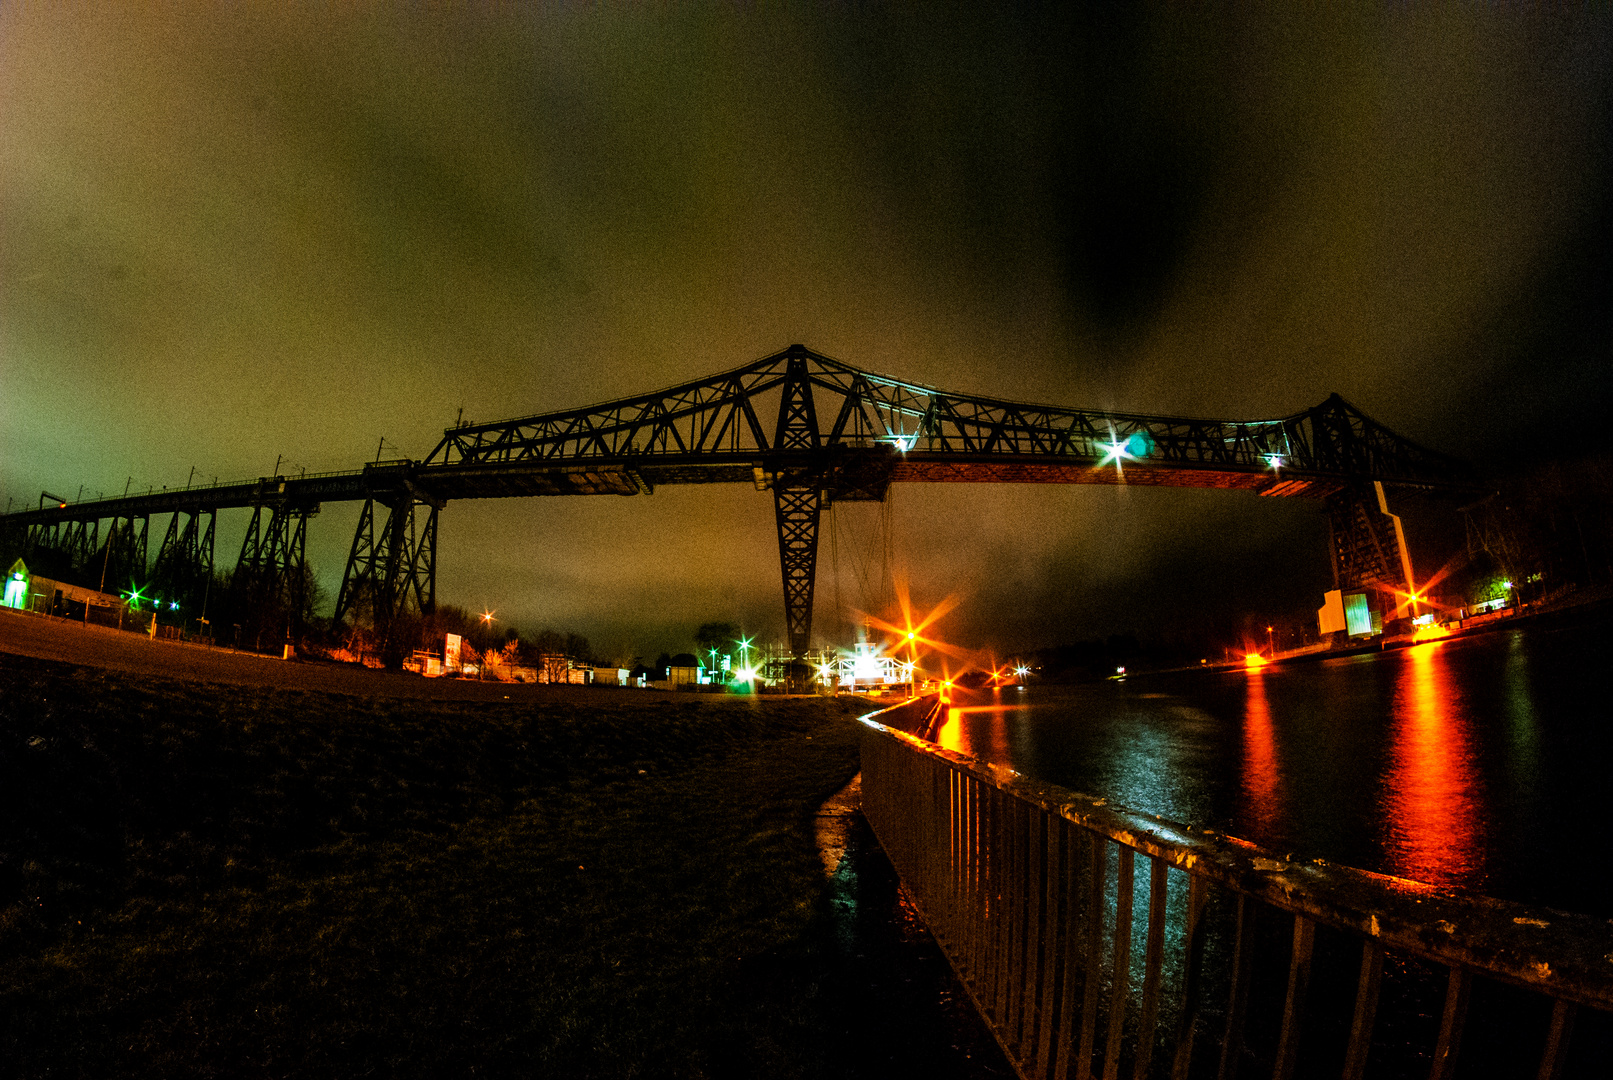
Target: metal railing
[1032,892]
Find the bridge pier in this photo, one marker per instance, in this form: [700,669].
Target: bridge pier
[798,508]
[122,559]
[395,569]
[798,498]
[271,573]
[80,543]
[185,559]
[1365,541]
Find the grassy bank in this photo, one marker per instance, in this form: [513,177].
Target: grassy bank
[199,880]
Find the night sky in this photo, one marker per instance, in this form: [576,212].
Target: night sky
[227,237]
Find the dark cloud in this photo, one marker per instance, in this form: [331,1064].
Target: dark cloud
[232,234]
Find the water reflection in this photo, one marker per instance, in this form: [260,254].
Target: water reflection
[1260,809]
[981,731]
[1433,826]
[1462,761]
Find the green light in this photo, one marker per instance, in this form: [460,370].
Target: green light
[1140,445]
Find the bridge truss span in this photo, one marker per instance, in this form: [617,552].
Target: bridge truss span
[876,430]
[813,430]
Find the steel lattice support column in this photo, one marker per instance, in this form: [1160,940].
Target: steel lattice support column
[1362,541]
[273,568]
[41,549]
[251,544]
[81,543]
[798,508]
[392,566]
[359,575]
[272,552]
[185,558]
[122,559]
[798,501]
[410,557]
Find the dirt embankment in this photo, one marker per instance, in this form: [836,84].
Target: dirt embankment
[46,638]
[218,864]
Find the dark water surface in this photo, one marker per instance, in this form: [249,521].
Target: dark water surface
[1480,763]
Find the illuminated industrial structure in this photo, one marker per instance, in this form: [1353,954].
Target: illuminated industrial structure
[809,429]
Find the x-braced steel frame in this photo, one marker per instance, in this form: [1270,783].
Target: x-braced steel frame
[798,509]
[185,558]
[273,566]
[81,541]
[798,502]
[395,568]
[1366,543]
[121,562]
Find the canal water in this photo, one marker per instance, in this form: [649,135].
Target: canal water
[1481,763]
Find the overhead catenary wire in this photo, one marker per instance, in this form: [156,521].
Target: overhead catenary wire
[866,556]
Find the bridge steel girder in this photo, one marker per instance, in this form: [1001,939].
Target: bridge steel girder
[712,431]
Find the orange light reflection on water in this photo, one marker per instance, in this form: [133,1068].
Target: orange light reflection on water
[1262,789]
[1434,827]
[955,733]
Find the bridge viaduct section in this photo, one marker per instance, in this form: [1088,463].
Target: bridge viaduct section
[810,429]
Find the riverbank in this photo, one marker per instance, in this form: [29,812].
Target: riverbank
[217,878]
[1585,607]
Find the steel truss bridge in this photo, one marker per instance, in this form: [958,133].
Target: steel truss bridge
[808,428]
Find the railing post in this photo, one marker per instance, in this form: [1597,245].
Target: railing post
[1071,951]
[1094,957]
[1450,1025]
[1016,901]
[1197,899]
[1055,924]
[999,864]
[1124,883]
[1299,980]
[1243,951]
[1366,1008]
[1562,1024]
[1153,966]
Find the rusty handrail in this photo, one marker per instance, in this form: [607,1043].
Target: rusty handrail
[1011,876]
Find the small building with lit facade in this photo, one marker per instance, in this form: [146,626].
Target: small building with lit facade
[16,594]
[30,592]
